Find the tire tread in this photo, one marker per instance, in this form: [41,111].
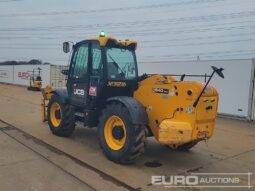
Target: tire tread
[67,125]
[138,140]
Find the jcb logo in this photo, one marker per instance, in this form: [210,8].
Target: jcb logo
[80,92]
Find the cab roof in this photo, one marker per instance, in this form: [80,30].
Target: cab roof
[110,41]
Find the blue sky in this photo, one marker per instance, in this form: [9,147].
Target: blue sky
[165,30]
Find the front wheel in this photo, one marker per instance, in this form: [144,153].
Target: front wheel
[60,117]
[120,139]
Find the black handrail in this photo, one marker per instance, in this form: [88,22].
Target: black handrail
[205,76]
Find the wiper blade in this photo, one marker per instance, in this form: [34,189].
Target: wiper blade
[116,64]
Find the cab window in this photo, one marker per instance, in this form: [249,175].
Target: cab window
[80,62]
[121,64]
[97,66]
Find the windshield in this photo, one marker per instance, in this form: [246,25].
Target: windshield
[121,64]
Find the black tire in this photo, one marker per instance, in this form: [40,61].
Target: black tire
[33,89]
[135,135]
[67,123]
[186,146]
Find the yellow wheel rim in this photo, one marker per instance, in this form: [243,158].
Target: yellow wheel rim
[111,123]
[55,107]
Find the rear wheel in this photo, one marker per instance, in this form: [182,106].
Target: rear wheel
[120,140]
[60,117]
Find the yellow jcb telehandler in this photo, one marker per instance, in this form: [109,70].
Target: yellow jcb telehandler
[104,90]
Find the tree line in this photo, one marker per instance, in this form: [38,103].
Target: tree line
[31,62]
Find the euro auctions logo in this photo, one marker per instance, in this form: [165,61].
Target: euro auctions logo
[174,181]
[205,180]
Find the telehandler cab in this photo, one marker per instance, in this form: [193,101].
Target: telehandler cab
[103,89]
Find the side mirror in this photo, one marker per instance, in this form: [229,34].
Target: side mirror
[65,72]
[66,47]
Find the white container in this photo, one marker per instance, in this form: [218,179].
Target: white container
[236,90]
[6,74]
[22,74]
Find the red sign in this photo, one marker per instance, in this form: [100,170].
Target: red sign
[93,91]
[23,75]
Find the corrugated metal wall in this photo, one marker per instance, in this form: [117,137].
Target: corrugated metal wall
[6,74]
[57,79]
[19,74]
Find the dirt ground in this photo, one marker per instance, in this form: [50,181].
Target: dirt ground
[77,162]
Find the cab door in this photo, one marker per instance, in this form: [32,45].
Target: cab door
[78,81]
[97,75]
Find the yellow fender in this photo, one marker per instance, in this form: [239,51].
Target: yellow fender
[46,93]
